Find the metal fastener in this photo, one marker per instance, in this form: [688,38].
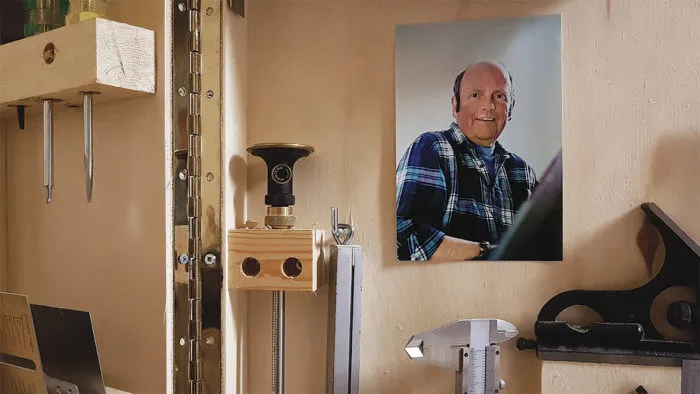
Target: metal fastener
[182,175]
[210,259]
[183,258]
[209,94]
[182,91]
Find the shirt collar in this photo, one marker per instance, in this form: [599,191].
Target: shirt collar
[456,134]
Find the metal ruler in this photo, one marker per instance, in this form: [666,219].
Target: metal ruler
[690,377]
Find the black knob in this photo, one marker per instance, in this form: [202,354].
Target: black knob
[682,314]
[280,159]
[526,344]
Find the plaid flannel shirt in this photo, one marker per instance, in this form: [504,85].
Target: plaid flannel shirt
[444,188]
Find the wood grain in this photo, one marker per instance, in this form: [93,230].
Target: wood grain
[113,58]
[271,248]
[18,338]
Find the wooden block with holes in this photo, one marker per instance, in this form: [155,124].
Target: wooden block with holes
[269,259]
[98,55]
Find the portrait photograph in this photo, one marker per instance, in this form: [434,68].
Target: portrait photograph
[479,140]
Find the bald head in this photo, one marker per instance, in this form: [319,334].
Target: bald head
[482,102]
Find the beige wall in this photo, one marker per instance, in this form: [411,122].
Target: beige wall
[107,257]
[322,73]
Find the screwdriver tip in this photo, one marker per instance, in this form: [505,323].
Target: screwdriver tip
[48,194]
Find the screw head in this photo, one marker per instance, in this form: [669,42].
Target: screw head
[210,341]
[182,175]
[210,259]
[210,11]
[183,258]
[182,91]
[182,342]
[210,176]
[182,7]
[209,94]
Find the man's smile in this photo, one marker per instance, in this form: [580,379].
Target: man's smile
[486,119]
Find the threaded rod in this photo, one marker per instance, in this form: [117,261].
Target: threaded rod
[278,342]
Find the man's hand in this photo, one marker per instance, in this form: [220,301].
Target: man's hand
[455,249]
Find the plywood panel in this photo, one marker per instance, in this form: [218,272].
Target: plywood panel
[107,257]
[322,73]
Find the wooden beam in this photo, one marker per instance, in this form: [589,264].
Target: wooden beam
[115,59]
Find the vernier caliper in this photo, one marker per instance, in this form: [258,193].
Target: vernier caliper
[467,347]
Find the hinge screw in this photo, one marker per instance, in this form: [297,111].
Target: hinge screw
[183,258]
[182,7]
[182,91]
[210,94]
[210,259]
[182,175]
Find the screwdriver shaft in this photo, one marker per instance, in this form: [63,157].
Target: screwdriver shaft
[87,129]
[48,149]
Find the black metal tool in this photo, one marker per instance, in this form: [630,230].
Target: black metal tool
[627,334]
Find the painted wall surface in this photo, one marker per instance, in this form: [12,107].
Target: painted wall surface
[106,257]
[429,56]
[322,73]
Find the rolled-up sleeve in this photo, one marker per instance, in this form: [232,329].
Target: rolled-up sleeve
[420,200]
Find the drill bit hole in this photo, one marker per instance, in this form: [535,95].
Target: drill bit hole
[292,267]
[49,53]
[250,267]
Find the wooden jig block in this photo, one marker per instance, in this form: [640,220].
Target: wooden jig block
[275,259]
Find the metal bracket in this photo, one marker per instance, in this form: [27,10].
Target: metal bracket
[57,386]
[344,311]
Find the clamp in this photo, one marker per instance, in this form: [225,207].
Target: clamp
[469,348]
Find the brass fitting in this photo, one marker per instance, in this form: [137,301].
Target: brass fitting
[279,217]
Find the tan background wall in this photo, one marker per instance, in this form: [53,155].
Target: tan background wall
[322,73]
[107,257]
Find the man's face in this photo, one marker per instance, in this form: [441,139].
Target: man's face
[483,104]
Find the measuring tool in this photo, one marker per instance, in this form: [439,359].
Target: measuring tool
[632,331]
[469,348]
